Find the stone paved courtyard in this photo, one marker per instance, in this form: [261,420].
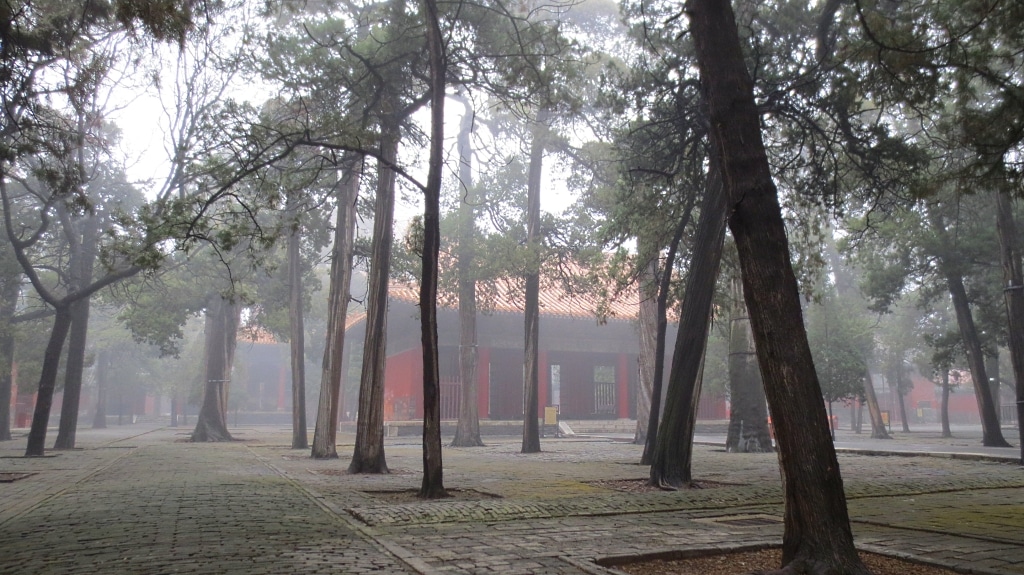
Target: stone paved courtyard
[140,499]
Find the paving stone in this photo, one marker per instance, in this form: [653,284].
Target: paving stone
[137,500]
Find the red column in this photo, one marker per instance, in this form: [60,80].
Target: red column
[622,386]
[483,384]
[543,380]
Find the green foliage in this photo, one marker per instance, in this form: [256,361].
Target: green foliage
[908,254]
[954,68]
[841,340]
[158,309]
[30,342]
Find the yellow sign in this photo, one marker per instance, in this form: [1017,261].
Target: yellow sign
[551,415]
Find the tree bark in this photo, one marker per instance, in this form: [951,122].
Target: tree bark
[467,431]
[83,257]
[432,486]
[992,369]
[99,418]
[48,380]
[74,367]
[900,393]
[654,414]
[6,384]
[531,363]
[946,432]
[368,453]
[878,430]
[673,451]
[8,304]
[297,340]
[1013,296]
[325,433]
[221,327]
[817,536]
[648,332]
[748,419]
[992,435]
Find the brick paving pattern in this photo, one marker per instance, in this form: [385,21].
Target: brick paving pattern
[137,499]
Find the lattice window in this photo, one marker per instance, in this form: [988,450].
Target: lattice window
[604,389]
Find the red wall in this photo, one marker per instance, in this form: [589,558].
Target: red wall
[963,406]
[505,387]
[500,388]
[403,386]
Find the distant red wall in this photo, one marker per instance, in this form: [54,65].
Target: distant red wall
[500,386]
[403,386]
[505,385]
[963,406]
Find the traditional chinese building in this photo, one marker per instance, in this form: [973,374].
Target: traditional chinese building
[588,368]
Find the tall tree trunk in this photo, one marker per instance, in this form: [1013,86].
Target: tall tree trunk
[6,383]
[467,432]
[992,369]
[817,534]
[48,380]
[900,398]
[878,430]
[992,435]
[325,433]
[83,256]
[74,367]
[673,451]
[99,418]
[10,288]
[432,486]
[297,340]
[648,332]
[900,393]
[232,319]
[748,419]
[211,424]
[946,432]
[665,280]
[1013,295]
[368,453]
[531,363]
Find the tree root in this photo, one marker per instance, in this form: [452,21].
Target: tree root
[666,486]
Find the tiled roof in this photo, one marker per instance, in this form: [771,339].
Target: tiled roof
[554,301]
[256,334]
[354,320]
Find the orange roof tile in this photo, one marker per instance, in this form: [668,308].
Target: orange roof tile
[256,334]
[354,319]
[553,298]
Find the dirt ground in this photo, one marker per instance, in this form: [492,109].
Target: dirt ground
[767,559]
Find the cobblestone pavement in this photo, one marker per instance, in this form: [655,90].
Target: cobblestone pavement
[137,499]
